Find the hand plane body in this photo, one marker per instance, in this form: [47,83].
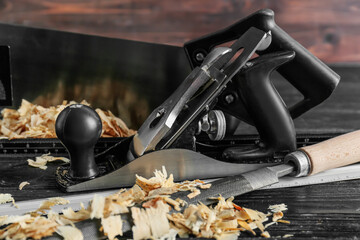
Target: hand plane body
[226,85]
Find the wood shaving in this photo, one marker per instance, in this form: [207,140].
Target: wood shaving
[34,121]
[160,180]
[29,227]
[14,219]
[283,221]
[277,216]
[113,126]
[69,233]
[265,234]
[205,186]
[278,208]
[269,224]
[112,226]
[23,184]
[152,220]
[50,202]
[288,235]
[72,216]
[41,161]
[47,204]
[194,193]
[6,198]
[97,207]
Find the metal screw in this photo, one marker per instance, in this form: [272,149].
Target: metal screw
[229,98]
[248,65]
[200,57]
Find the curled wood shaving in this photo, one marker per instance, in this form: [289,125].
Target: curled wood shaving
[47,204]
[277,216]
[34,121]
[23,184]
[163,185]
[113,126]
[160,180]
[41,161]
[6,198]
[72,216]
[278,208]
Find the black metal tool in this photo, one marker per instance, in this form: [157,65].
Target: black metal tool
[251,96]
[175,123]
[193,99]
[196,95]
[263,108]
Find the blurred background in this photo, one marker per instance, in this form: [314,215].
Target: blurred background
[327,28]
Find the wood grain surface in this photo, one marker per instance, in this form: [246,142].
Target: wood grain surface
[319,211]
[329,29]
[324,211]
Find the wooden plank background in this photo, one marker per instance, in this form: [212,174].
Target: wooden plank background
[328,28]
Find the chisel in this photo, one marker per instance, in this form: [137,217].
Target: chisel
[336,152]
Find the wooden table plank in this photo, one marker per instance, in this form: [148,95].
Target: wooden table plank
[319,211]
[329,29]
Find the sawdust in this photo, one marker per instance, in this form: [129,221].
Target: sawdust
[34,121]
[149,202]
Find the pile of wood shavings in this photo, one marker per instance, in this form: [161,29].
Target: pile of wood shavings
[149,202]
[34,121]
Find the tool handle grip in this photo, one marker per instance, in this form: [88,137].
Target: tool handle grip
[314,80]
[336,152]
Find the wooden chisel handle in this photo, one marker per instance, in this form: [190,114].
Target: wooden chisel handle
[336,152]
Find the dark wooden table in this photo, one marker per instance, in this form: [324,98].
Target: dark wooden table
[325,211]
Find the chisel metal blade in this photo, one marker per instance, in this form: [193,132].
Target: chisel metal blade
[239,184]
